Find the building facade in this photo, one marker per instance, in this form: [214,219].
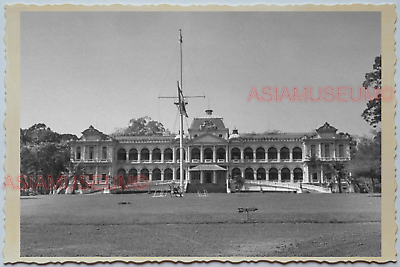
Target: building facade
[214,155]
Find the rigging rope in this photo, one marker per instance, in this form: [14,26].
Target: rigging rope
[195,75]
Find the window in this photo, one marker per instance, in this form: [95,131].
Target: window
[235,153]
[78,152]
[327,152]
[272,153]
[298,175]
[273,174]
[168,154]
[248,153]
[91,152]
[104,153]
[285,153]
[121,154]
[285,175]
[341,151]
[133,154]
[260,153]
[297,155]
[313,151]
[145,154]
[156,154]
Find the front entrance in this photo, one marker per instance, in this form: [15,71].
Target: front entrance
[208,177]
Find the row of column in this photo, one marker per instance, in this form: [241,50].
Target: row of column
[267,175]
[214,177]
[214,159]
[332,150]
[97,153]
[175,173]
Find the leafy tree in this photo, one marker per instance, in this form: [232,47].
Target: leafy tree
[339,172]
[239,181]
[372,114]
[43,152]
[143,126]
[366,161]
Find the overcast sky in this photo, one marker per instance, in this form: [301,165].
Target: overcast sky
[104,68]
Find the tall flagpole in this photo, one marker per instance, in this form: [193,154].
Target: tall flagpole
[181,120]
[182,111]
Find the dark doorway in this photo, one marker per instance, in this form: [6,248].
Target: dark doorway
[208,177]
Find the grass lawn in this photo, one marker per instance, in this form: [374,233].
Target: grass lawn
[285,224]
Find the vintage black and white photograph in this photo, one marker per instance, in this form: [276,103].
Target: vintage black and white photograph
[200,134]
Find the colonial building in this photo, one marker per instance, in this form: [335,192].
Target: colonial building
[213,155]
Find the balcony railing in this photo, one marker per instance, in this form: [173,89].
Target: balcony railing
[195,160]
[220,160]
[208,160]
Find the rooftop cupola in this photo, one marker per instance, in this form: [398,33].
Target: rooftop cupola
[235,134]
[209,112]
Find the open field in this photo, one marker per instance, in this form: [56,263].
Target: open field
[285,224]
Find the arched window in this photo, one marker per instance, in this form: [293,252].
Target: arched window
[221,153]
[156,175]
[133,174]
[249,174]
[248,153]
[133,154]
[272,153]
[156,155]
[121,154]
[178,174]
[195,154]
[168,154]
[297,154]
[261,175]
[235,153]
[144,154]
[285,175]
[104,152]
[285,153]
[298,174]
[260,153]
[178,154]
[145,172]
[273,174]
[236,173]
[78,152]
[168,174]
[208,153]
